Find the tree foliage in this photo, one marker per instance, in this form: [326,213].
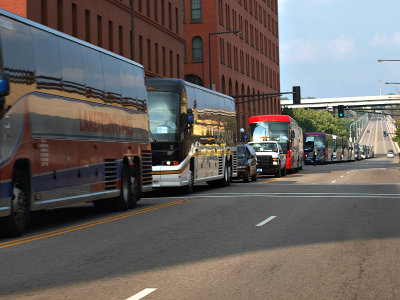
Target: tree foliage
[397,137]
[318,121]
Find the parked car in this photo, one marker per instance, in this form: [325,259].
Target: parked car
[390,154]
[271,158]
[247,163]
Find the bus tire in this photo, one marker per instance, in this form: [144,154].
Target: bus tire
[226,181]
[129,189]
[188,189]
[17,222]
[135,188]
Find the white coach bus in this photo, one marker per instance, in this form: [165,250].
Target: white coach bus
[193,131]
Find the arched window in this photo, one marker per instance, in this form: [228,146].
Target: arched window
[197,49]
[195,6]
[223,85]
[194,79]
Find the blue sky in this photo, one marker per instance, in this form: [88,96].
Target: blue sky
[330,47]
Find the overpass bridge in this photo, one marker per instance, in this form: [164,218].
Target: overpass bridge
[345,101]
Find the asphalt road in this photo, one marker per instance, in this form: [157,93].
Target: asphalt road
[327,232]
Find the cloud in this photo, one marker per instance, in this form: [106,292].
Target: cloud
[319,1]
[382,40]
[312,51]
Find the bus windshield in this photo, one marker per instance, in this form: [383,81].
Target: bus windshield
[314,141]
[163,108]
[273,131]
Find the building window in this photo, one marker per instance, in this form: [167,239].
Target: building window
[156,56]
[162,12]
[121,40]
[140,49]
[87,25]
[222,50]
[234,25]
[195,10]
[178,70]
[110,36]
[99,31]
[220,13]
[169,15]
[60,20]
[197,49]
[176,21]
[184,53]
[228,19]
[171,64]
[155,10]
[140,5]
[148,54]
[148,8]
[183,11]
[164,62]
[43,16]
[74,20]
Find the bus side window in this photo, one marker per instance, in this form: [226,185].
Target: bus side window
[112,78]
[128,85]
[17,51]
[47,59]
[72,73]
[93,73]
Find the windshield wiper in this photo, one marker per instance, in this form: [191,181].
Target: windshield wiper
[152,137]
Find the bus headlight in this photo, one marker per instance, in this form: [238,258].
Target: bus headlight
[170,163]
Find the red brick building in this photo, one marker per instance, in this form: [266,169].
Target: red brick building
[241,63]
[158,28]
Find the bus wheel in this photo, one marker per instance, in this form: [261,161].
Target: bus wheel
[126,198]
[188,189]
[135,189]
[17,222]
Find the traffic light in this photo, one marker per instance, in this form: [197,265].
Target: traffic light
[384,133]
[296,95]
[340,111]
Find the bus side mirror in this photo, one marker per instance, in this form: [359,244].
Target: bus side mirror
[4,85]
[4,91]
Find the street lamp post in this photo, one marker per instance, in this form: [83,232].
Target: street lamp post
[209,48]
[381,60]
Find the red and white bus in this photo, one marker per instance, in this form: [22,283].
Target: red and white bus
[74,125]
[283,129]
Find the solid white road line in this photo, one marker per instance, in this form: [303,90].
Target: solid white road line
[142,294]
[266,221]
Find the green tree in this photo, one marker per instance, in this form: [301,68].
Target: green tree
[318,121]
[397,137]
